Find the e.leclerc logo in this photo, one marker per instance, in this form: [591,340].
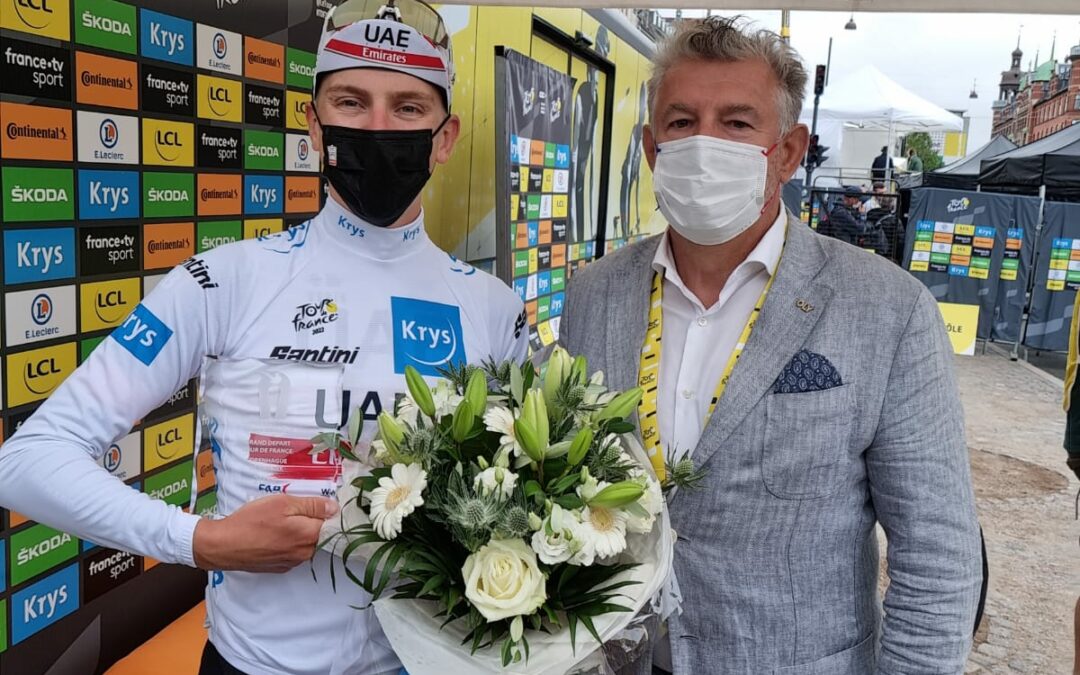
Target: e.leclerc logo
[219,50]
[166,38]
[38,255]
[427,335]
[108,194]
[107,138]
[42,314]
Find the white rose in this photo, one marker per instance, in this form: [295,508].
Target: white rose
[495,479]
[502,580]
[558,538]
[652,501]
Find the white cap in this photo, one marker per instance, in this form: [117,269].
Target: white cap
[387,44]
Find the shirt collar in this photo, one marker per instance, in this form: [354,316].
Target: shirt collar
[765,255]
[380,243]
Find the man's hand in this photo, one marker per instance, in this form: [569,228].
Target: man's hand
[272,534]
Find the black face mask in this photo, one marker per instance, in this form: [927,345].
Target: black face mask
[378,173]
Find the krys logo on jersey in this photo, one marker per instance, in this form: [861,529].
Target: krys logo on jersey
[168,143]
[105,304]
[427,335]
[108,194]
[107,250]
[106,24]
[38,255]
[41,314]
[166,38]
[32,194]
[143,335]
[48,18]
[107,138]
[35,70]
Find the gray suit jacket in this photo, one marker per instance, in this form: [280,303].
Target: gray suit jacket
[776,555]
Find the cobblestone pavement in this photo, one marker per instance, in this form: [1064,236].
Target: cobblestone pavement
[1026,503]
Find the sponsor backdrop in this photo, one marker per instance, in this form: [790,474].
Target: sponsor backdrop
[134,136]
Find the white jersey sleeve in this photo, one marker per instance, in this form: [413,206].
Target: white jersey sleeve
[48,469]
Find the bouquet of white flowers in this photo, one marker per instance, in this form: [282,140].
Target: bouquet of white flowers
[502,507]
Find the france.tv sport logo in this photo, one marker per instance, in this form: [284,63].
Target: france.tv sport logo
[143,334]
[427,335]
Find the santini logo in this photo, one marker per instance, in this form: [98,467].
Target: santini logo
[427,335]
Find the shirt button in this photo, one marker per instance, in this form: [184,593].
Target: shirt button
[687,393]
[703,322]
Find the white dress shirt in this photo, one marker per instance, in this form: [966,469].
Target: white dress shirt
[698,340]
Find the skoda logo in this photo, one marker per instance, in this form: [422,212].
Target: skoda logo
[302,150]
[41,309]
[109,133]
[221,47]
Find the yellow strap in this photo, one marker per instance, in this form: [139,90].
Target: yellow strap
[649,370]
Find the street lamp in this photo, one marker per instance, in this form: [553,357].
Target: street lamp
[974,93]
[850,25]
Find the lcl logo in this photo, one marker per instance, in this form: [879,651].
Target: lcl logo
[25,7]
[219,95]
[163,141]
[110,306]
[36,371]
[168,443]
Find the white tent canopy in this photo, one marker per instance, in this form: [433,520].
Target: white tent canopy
[869,99]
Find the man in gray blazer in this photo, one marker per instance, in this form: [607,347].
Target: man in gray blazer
[837,407]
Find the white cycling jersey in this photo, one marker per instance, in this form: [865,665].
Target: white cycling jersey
[290,333]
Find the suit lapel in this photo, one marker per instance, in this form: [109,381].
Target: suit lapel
[792,309]
[627,304]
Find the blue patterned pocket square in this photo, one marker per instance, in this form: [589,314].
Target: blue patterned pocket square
[807,372]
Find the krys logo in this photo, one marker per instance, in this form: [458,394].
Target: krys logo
[38,255]
[427,335]
[315,316]
[958,205]
[108,194]
[143,335]
[166,38]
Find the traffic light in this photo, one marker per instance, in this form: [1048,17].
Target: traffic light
[815,154]
[819,80]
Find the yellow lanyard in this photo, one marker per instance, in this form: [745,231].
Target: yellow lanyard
[649,370]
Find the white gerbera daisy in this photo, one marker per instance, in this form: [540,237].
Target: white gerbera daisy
[604,529]
[501,421]
[397,496]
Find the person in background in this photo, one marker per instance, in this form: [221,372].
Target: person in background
[812,382]
[846,219]
[914,162]
[1072,437]
[881,165]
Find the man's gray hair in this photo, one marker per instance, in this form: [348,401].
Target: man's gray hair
[730,39]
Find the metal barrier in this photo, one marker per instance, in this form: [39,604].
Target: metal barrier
[874,225]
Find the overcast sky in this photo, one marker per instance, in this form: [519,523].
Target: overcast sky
[937,56]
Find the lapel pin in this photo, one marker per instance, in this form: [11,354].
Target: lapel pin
[804,305]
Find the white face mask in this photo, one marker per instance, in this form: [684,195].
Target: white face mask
[709,189]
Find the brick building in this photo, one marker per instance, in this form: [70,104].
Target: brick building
[1037,102]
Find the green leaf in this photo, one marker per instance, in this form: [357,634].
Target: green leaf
[507,652]
[532,488]
[620,427]
[572,621]
[569,502]
[517,385]
[388,569]
[587,620]
[373,566]
[561,485]
[431,585]
[525,644]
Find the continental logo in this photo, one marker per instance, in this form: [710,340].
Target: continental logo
[32,132]
[48,18]
[302,194]
[167,244]
[105,304]
[264,60]
[296,109]
[168,143]
[220,194]
[220,99]
[167,442]
[36,374]
[106,81]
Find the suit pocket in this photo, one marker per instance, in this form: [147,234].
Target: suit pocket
[857,660]
[806,442]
